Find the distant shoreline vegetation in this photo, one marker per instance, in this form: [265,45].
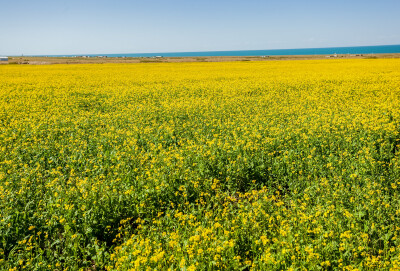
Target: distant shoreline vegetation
[379,49]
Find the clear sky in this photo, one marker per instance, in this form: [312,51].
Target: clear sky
[139,26]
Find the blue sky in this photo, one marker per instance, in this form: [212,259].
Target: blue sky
[122,26]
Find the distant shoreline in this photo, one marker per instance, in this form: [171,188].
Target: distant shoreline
[374,49]
[39,60]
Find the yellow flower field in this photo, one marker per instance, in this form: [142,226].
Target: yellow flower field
[273,165]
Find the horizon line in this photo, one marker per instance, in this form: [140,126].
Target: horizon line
[208,51]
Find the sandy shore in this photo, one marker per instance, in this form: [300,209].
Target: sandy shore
[82,60]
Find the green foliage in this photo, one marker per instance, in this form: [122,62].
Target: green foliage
[201,166]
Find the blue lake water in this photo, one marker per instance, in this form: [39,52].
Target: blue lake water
[305,51]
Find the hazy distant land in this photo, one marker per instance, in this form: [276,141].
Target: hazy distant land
[87,60]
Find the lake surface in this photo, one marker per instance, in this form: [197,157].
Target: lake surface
[305,51]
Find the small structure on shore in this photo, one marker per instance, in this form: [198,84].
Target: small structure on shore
[334,55]
[3,58]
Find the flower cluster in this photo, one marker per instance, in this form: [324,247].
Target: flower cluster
[274,165]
